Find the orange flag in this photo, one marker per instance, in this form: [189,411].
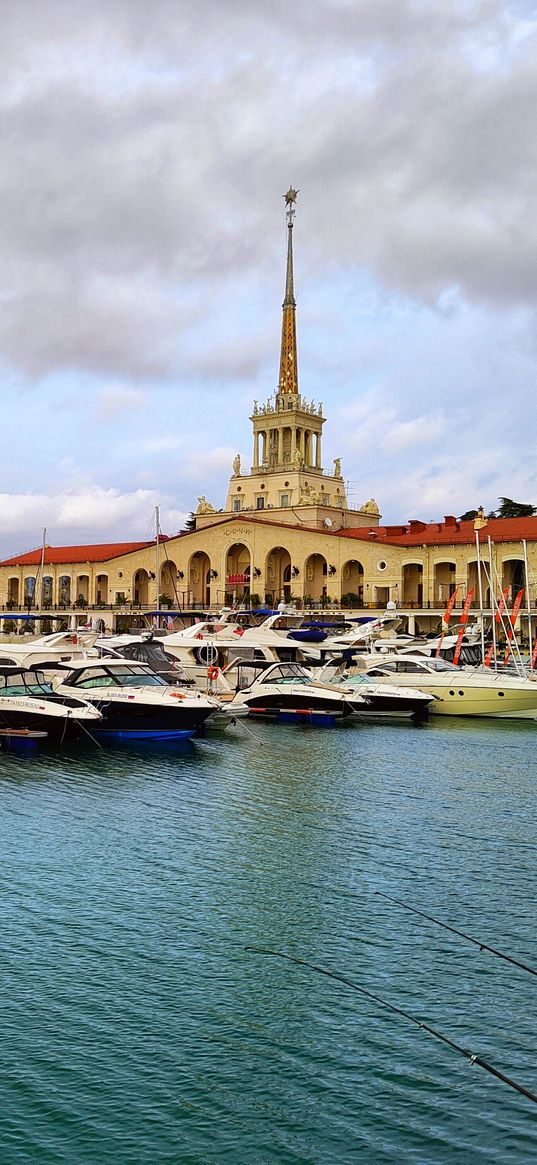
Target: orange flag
[447,617]
[464,620]
[513,619]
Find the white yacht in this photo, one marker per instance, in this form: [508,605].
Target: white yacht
[286,692]
[135,703]
[29,703]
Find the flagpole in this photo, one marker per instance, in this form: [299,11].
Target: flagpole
[493,613]
[480,591]
[528,596]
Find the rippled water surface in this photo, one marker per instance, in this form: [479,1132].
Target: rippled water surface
[136,1029]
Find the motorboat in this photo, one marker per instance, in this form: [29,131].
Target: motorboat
[459,691]
[286,692]
[385,701]
[135,703]
[57,647]
[149,650]
[29,703]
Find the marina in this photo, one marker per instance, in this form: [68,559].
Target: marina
[137,1027]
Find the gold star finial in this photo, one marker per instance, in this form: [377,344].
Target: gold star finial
[291,196]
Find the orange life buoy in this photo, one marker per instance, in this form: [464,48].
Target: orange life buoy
[212,673]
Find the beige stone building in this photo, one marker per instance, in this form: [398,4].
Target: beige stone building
[286,531]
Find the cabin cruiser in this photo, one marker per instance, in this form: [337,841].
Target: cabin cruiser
[203,650]
[60,646]
[287,692]
[151,651]
[459,691]
[28,702]
[386,701]
[135,703]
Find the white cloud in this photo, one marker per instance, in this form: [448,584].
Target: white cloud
[115,399]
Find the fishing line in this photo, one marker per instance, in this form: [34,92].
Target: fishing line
[477,942]
[470,1056]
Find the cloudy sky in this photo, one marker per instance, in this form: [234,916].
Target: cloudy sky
[145,150]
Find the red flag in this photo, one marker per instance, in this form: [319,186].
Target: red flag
[488,658]
[447,617]
[500,608]
[464,620]
[501,605]
[513,619]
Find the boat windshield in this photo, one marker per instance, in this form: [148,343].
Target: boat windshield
[131,676]
[292,673]
[24,683]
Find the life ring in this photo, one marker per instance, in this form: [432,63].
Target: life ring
[212,673]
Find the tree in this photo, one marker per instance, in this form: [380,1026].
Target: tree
[511,509]
[468,516]
[190,524]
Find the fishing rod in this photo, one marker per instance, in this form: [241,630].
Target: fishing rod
[470,1056]
[477,942]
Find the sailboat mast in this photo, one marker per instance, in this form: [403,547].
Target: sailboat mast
[157,555]
[528,601]
[480,586]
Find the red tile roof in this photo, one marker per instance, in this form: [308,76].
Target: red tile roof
[64,554]
[450,532]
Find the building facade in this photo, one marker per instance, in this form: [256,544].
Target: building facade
[286,532]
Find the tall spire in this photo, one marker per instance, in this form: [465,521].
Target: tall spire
[288,381]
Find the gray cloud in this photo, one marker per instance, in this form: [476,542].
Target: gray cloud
[144,149]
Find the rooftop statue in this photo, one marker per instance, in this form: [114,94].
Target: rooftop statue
[205,507]
[237,465]
[369,507]
[309,496]
[337,466]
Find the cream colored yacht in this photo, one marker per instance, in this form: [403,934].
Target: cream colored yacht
[459,691]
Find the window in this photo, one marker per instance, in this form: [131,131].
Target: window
[260,503]
[284,499]
[236,504]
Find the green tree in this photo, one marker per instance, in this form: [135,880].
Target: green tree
[468,516]
[190,524]
[510,509]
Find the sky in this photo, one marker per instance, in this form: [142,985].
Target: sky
[145,151]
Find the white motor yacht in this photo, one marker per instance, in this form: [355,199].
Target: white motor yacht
[135,703]
[386,701]
[286,692]
[29,703]
[58,647]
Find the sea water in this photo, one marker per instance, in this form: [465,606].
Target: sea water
[135,1027]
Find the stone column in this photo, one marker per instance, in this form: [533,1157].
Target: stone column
[280,446]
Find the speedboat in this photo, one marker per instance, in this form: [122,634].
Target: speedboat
[459,691]
[287,692]
[60,646]
[151,651]
[29,703]
[385,701]
[135,703]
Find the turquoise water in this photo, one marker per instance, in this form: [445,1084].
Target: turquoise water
[135,1028]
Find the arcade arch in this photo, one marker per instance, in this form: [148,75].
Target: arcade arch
[278,574]
[238,567]
[315,572]
[352,579]
[199,580]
